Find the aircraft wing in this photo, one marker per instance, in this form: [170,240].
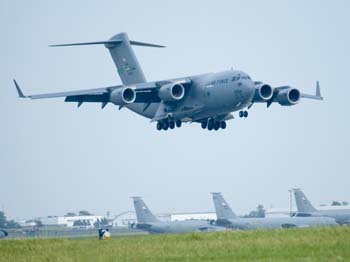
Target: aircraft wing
[279,89]
[145,93]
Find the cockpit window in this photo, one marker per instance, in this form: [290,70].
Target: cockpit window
[236,78]
[245,77]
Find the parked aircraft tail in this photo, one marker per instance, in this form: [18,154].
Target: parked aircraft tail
[143,214]
[124,58]
[223,210]
[303,204]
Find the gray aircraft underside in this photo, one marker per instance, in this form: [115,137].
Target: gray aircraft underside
[227,218]
[305,208]
[149,222]
[208,99]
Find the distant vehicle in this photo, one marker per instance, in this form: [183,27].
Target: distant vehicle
[341,214]
[227,218]
[3,233]
[148,222]
[208,99]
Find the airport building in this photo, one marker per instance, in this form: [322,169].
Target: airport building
[71,221]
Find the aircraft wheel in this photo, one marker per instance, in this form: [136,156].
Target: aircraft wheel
[241,114]
[245,113]
[178,123]
[223,124]
[159,126]
[172,124]
[165,126]
[216,125]
[210,125]
[204,124]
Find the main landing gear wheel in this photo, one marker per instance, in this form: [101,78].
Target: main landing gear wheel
[159,126]
[178,123]
[217,125]
[223,124]
[165,125]
[204,124]
[210,124]
[172,124]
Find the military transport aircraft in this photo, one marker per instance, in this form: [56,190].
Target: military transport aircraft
[148,222]
[226,218]
[341,214]
[209,99]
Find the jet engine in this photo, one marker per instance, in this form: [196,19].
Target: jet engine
[123,96]
[288,97]
[171,92]
[263,92]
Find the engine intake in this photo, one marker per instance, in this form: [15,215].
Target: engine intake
[171,92]
[288,97]
[123,96]
[263,92]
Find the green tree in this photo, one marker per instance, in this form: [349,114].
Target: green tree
[84,213]
[2,219]
[70,214]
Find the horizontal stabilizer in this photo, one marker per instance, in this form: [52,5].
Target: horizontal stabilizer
[109,42]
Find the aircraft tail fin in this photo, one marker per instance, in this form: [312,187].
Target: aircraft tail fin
[303,204]
[123,56]
[223,210]
[143,214]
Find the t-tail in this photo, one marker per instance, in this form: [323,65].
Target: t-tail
[143,214]
[223,210]
[124,58]
[303,204]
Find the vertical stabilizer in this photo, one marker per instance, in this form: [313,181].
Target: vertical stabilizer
[303,204]
[223,210]
[124,58]
[143,214]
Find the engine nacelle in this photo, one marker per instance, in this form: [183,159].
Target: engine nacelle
[123,96]
[263,93]
[288,97]
[171,92]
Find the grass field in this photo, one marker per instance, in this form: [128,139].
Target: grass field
[320,244]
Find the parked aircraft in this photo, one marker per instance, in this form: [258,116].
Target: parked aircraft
[208,99]
[305,208]
[149,222]
[227,218]
[3,233]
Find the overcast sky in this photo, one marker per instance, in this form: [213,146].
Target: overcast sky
[56,158]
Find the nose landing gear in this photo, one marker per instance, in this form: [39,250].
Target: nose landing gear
[243,114]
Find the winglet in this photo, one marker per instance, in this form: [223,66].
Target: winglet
[19,91]
[318,90]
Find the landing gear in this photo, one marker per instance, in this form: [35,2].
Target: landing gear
[168,123]
[243,113]
[211,124]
